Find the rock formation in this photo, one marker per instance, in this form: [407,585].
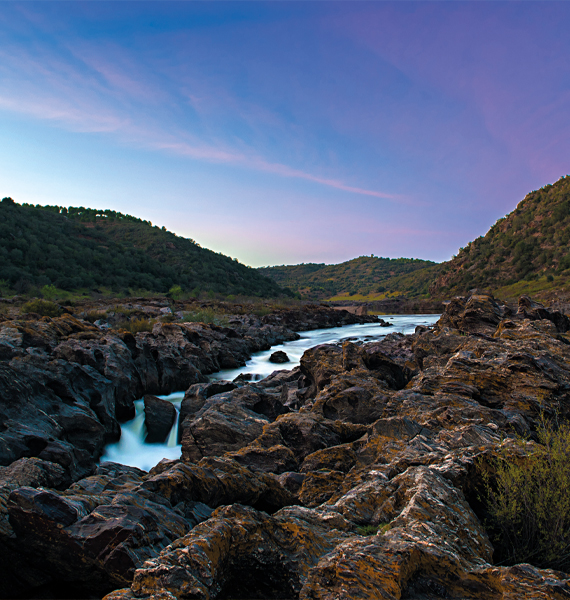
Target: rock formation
[355,476]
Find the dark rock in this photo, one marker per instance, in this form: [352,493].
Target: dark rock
[159,418]
[197,394]
[279,357]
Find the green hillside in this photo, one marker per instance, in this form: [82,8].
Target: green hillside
[528,248]
[524,252]
[79,248]
[366,276]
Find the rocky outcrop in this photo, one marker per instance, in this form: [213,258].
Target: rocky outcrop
[356,475]
[388,436]
[93,535]
[65,384]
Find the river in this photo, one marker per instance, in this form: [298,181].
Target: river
[131,448]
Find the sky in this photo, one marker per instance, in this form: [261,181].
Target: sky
[288,132]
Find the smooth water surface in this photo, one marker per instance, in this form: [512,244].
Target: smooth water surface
[131,448]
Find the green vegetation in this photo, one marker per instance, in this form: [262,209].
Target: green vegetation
[206,315]
[529,504]
[373,529]
[523,252]
[44,249]
[363,278]
[137,325]
[528,245]
[45,308]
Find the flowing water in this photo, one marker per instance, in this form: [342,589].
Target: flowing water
[132,450]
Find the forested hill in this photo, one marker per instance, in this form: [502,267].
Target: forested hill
[74,248]
[528,244]
[363,276]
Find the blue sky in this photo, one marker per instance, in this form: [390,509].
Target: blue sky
[287,132]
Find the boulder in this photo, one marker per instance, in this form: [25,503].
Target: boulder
[279,357]
[159,418]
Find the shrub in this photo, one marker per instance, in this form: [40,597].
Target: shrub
[206,315]
[175,292]
[45,308]
[373,529]
[49,292]
[529,504]
[138,325]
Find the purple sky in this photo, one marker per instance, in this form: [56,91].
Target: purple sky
[280,133]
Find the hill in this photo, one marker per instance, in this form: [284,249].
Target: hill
[79,248]
[526,249]
[524,252]
[366,276]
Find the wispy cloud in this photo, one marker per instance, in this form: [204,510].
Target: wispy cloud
[83,90]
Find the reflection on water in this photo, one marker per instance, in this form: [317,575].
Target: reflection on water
[132,450]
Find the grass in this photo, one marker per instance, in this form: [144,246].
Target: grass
[345,297]
[94,315]
[137,325]
[530,288]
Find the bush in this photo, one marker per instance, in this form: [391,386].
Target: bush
[49,292]
[45,308]
[373,529]
[206,315]
[94,315]
[529,504]
[175,292]
[137,325]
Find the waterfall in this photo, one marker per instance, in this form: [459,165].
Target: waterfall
[132,450]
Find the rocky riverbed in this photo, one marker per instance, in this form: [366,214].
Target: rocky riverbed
[279,478]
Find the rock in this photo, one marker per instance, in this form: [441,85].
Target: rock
[390,439]
[90,537]
[159,418]
[279,357]
[219,428]
[197,394]
[256,556]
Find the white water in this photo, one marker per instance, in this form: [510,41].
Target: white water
[131,448]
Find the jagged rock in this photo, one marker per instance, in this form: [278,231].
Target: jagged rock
[228,421]
[394,435]
[159,418]
[89,538]
[279,357]
[65,384]
[238,553]
[218,428]
[530,309]
[197,394]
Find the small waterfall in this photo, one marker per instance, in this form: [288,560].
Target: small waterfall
[132,450]
[172,439]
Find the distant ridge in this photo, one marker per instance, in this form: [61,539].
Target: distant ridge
[366,276]
[82,248]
